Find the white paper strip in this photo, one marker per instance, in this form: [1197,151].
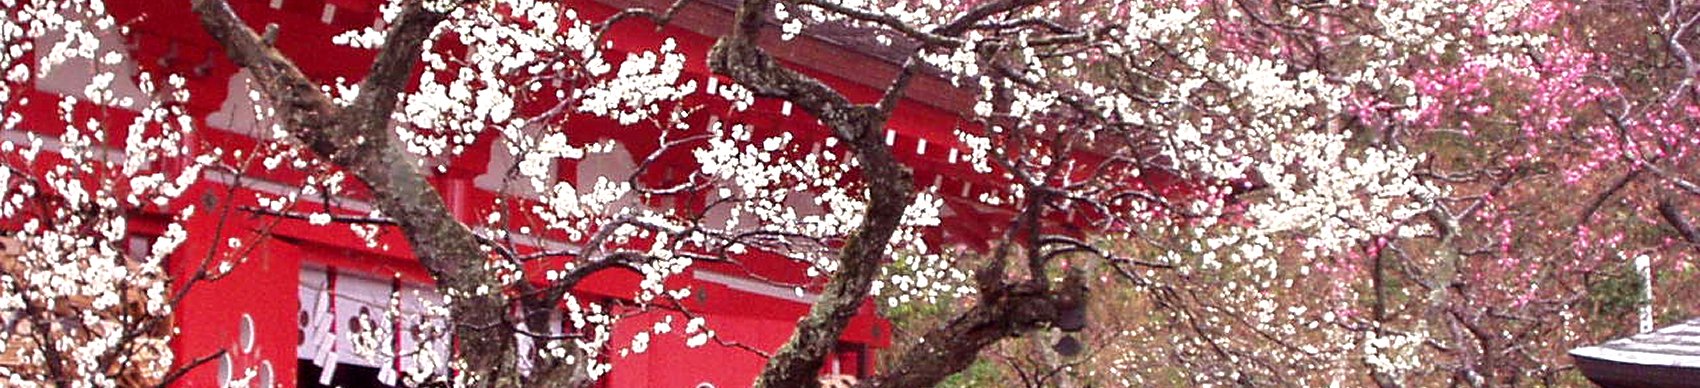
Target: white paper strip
[329,370]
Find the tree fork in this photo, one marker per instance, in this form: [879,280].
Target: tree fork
[356,138]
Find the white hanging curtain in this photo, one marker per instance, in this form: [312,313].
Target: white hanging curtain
[331,302]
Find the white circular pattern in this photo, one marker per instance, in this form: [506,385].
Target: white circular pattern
[225,368]
[265,375]
[245,338]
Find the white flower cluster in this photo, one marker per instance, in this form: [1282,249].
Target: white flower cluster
[371,37]
[1393,353]
[742,98]
[963,62]
[922,278]
[498,61]
[697,327]
[979,151]
[493,63]
[73,272]
[643,82]
[568,210]
[1339,199]
[922,15]
[1212,116]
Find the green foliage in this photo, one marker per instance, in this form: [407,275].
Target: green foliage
[982,373]
[1614,290]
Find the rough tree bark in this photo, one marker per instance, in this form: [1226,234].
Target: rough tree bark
[1020,308]
[1011,310]
[890,191]
[357,139]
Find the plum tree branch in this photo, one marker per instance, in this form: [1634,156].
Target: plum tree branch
[1672,215]
[949,349]
[357,138]
[890,189]
[303,108]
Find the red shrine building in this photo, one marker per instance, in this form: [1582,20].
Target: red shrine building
[286,311]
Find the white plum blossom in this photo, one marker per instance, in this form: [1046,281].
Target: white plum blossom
[74,258]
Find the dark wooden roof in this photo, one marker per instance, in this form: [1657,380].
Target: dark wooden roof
[1665,358]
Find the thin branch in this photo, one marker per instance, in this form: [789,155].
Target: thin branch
[186,368]
[336,218]
[925,37]
[1672,215]
[1588,212]
[660,19]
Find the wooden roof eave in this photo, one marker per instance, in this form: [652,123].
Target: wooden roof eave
[1667,357]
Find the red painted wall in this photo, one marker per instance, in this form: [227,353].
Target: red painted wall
[264,286]
[211,314]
